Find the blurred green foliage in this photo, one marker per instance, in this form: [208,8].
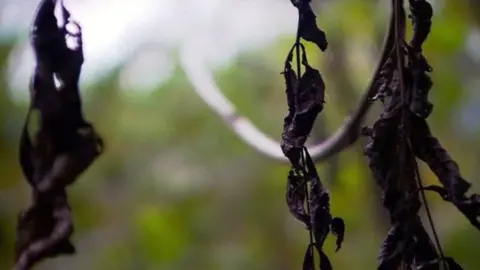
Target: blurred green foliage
[176,189]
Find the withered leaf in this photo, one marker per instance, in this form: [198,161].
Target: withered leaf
[421,84]
[310,92]
[421,14]
[392,249]
[401,133]
[325,263]
[33,223]
[44,230]
[428,148]
[308,261]
[468,206]
[289,148]
[305,100]
[290,83]
[61,148]
[423,249]
[296,197]
[338,229]
[308,28]
[320,217]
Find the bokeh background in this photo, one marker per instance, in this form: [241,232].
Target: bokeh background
[176,188]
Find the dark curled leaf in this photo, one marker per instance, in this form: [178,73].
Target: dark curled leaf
[418,63]
[421,85]
[338,229]
[422,13]
[392,249]
[62,147]
[308,28]
[296,197]
[468,206]
[310,96]
[305,101]
[423,249]
[308,261]
[290,84]
[427,148]
[44,33]
[320,217]
[33,224]
[289,148]
[311,92]
[43,231]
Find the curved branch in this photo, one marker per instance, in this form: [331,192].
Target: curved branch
[205,86]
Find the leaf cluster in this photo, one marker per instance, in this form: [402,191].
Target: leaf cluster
[306,197]
[399,136]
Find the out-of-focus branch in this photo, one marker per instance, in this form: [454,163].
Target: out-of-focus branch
[205,86]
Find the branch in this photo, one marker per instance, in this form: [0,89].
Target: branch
[205,86]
